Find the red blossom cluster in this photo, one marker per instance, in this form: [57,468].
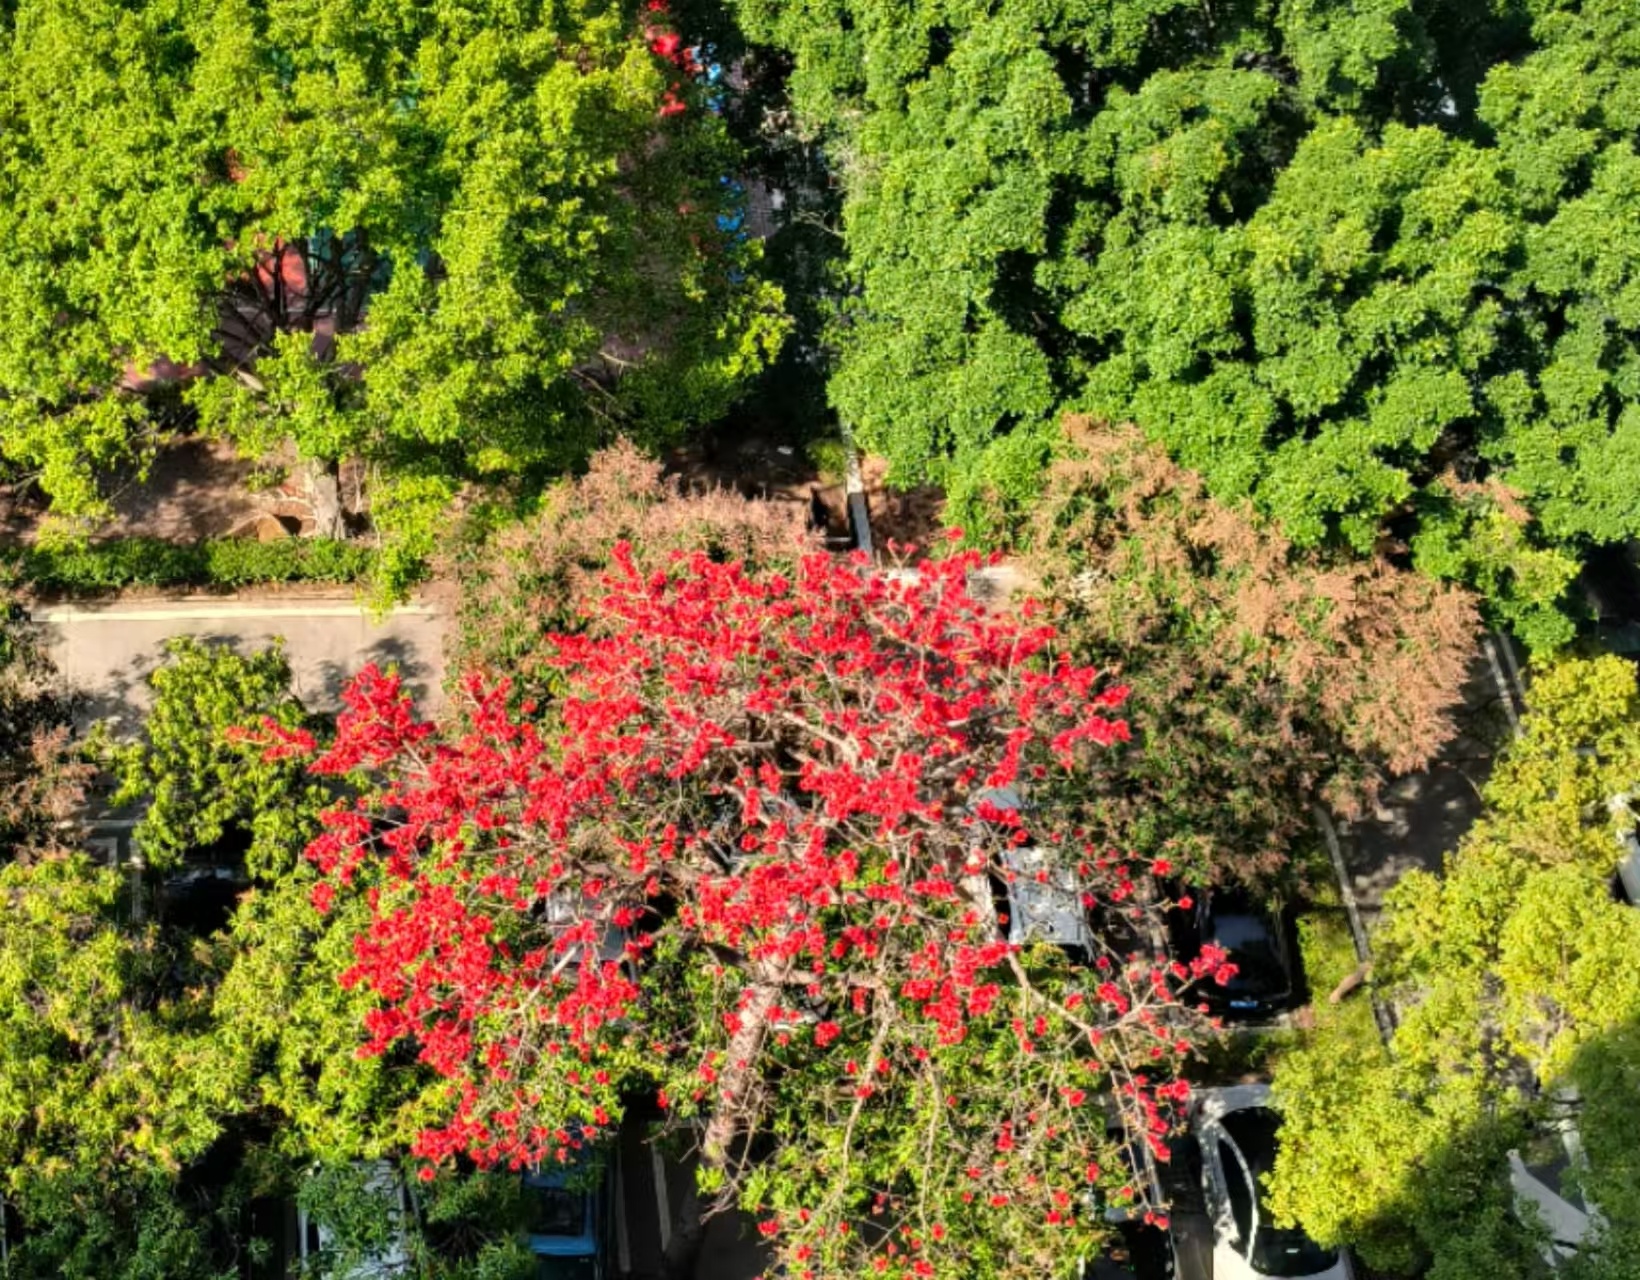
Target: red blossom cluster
[667,45]
[768,790]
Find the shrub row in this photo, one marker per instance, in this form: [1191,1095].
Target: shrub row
[214,562]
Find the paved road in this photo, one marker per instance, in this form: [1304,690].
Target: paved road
[1422,816]
[106,651]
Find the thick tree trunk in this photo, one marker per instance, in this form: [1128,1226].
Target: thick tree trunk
[324,486]
[739,1070]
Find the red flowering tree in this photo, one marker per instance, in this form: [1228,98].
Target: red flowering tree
[750,858]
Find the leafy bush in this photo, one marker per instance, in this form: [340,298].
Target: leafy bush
[214,562]
[200,780]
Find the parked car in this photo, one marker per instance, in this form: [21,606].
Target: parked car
[561,912]
[1239,1131]
[201,900]
[1544,1174]
[1045,904]
[1628,870]
[1258,941]
[1040,901]
[1137,1250]
[571,1218]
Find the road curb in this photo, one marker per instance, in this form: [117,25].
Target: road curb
[1382,1014]
[209,609]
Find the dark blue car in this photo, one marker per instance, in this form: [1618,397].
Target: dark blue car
[1256,938]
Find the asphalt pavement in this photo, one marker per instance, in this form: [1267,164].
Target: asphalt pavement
[106,652]
[1421,817]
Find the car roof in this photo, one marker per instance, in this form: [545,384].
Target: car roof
[584,1245]
[1237,901]
[1051,910]
[565,1177]
[561,914]
[1241,930]
[1256,947]
[1214,1104]
[1005,798]
[580,1156]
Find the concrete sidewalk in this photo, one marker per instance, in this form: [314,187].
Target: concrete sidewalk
[106,651]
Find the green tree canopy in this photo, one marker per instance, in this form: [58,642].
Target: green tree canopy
[1514,976]
[1369,264]
[105,1063]
[197,783]
[427,234]
[278,1011]
[152,1079]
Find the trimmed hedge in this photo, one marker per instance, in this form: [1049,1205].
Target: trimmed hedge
[215,562]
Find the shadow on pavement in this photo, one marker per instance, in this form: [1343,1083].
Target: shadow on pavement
[1421,817]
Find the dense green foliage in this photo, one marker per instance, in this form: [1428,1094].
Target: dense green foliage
[455,240]
[458,1228]
[197,785]
[98,567]
[280,1014]
[1514,976]
[110,1081]
[154,1081]
[1366,263]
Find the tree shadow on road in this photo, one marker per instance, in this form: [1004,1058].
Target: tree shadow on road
[1422,816]
[390,653]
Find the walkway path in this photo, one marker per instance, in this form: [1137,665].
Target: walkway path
[106,651]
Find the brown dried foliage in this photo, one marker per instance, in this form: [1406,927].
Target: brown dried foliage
[43,778]
[1491,493]
[532,577]
[1309,675]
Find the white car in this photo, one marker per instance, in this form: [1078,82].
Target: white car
[1544,1175]
[1628,870]
[1237,1129]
